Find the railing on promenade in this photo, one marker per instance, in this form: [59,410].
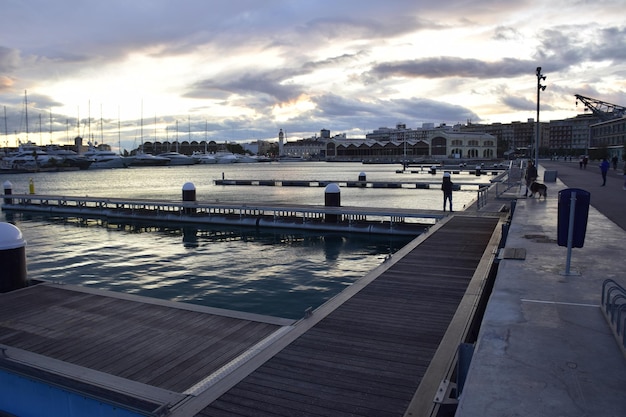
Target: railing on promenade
[614,309]
[481,201]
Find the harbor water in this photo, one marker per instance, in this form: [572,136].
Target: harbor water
[265,271]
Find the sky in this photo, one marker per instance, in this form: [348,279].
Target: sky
[123,72]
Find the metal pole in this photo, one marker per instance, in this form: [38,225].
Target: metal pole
[537,131]
[570,232]
[537,127]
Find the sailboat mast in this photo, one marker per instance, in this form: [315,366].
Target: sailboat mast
[89,120]
[50,120]
[141,127]
[119,133]
[26,112]
[6,128]
[101,126]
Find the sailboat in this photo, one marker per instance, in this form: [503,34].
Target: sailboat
[142,159]
[177,158]
[102,156]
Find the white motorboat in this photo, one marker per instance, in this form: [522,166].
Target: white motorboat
[148,160]
[28,157]
[226,158]
[179,159]
[67,158]
[107,159]
[204,158]
[247,159]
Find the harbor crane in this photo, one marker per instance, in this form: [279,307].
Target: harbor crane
[603,110]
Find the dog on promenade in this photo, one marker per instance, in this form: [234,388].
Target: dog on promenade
[538,188]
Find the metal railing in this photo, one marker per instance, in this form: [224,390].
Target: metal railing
[481,200]
[614,309]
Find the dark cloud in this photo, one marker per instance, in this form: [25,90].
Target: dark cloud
[506,33]
[518,103]
[387,112]
[443,67]
[266,83]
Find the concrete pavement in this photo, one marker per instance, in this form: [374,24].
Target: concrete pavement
[545,348]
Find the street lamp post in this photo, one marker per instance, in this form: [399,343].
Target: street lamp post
[540,88]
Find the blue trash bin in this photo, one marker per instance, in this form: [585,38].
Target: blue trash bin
[581,212]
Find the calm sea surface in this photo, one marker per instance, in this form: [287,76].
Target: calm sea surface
[274,272]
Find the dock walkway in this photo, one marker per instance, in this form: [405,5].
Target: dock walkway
[545,348]
[368,355]
[363,352]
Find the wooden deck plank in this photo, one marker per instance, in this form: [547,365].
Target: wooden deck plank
[368,356]
[144,342]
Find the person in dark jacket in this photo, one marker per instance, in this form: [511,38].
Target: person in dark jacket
[604,169]
[531,176]
[447,186]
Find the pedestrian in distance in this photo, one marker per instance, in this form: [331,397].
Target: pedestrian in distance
[604,169]
[624,186]
[614,161]
[446,187]
[530,176]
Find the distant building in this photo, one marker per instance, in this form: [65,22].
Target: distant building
[406,145]
[314,147]
[609,135]
[512,137]
[571,136]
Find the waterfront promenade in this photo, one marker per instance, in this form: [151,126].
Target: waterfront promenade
[545,348]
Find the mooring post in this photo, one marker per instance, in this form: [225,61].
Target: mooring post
[332,198]
[8,190]
[12,258]
[189,194]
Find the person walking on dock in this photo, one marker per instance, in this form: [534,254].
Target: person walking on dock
[604,169]
[447,186]
[530,176]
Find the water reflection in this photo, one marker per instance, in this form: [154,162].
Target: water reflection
[278,272]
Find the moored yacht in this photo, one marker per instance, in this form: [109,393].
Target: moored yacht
[28,157]
[226,158]
[106,159]
[67,158]
[179,159]
[204,158]
[148,160]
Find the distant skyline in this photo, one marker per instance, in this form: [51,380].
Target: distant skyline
[241,70]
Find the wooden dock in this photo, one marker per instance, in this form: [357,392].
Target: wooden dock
[422,184]
[377,349]
[347,218]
